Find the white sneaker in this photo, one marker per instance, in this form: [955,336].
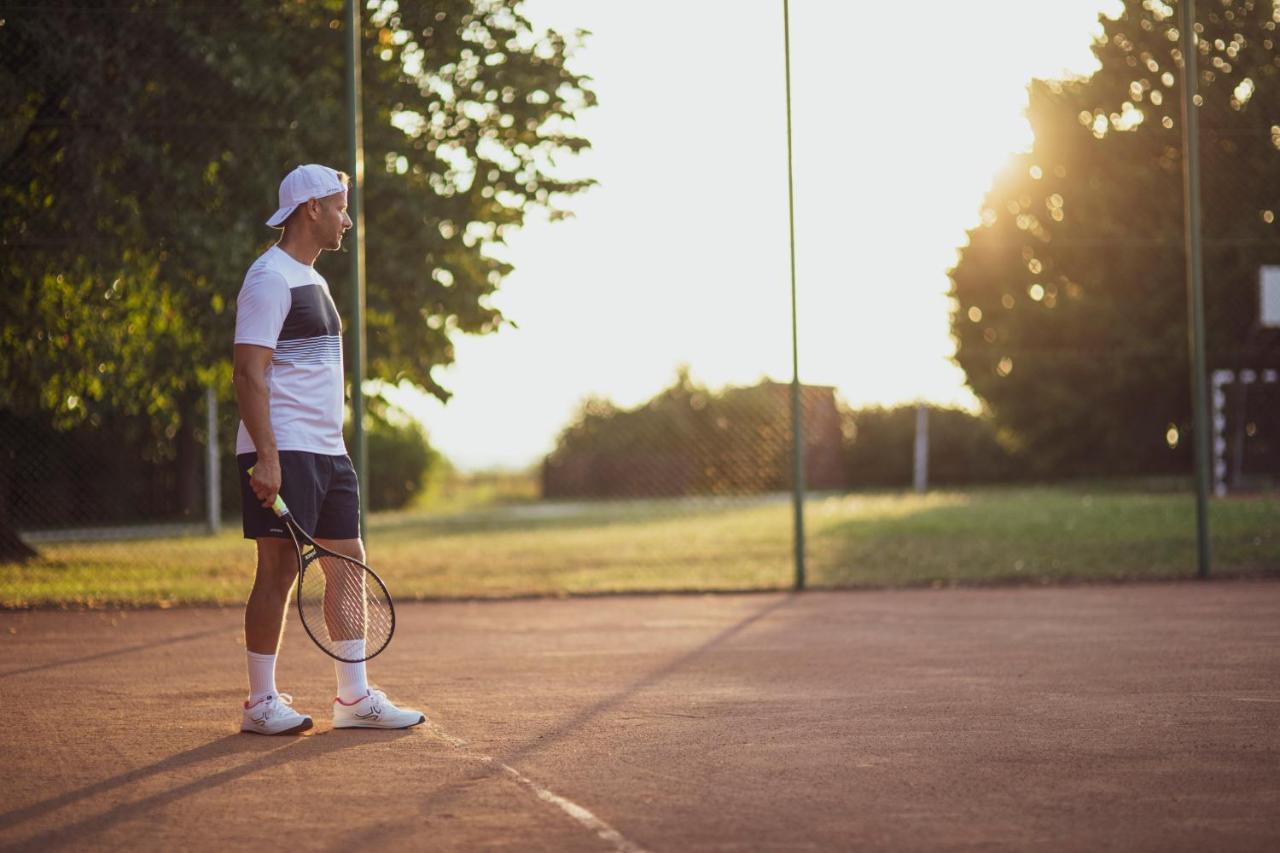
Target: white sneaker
[271,715]
[374,711]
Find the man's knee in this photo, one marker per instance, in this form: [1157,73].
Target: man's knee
[353,548]
[277,563]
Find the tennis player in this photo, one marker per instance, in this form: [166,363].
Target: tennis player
[289,386]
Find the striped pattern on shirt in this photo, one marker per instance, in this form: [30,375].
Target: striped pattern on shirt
[325,349]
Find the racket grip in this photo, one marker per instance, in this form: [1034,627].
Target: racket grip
[279,506]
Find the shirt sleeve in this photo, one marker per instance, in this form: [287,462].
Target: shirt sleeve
[261,307]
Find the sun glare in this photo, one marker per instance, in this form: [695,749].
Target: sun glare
[680,255]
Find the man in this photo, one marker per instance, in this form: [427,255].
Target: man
[289,386]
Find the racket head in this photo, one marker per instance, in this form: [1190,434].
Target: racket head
[341,601]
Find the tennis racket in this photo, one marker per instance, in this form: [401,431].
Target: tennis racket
[341,601]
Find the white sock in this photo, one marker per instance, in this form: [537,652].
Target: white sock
[262,675]
[353,683]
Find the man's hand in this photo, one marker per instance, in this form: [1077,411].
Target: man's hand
[265,480]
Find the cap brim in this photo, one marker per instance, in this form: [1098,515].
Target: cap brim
[277,219]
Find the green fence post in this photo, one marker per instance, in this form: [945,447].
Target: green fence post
[355,205]
[1195,279]
[797,408]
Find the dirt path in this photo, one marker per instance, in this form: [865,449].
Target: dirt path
[1138,717]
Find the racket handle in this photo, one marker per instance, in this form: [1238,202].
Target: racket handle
[279,506]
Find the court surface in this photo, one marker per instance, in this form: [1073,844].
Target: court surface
[1118,717]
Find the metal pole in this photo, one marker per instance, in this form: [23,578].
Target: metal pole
[1195,278]
[355,208]
[212,481]
[920,469]
[797,410]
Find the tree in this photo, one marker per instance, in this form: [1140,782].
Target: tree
[1070,314]
[136,171]
[690,440]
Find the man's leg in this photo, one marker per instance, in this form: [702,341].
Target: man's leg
[345,628]
[338,529]
[267,711]
[357,706]
[264,614]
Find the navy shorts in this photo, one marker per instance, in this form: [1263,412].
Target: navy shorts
[322,493]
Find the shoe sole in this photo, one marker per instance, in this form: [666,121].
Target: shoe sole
[301,727]
[422,719]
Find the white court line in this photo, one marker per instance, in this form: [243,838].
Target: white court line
[602,830]
[1251,699]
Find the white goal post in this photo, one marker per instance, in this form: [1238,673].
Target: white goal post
[1269,297]
[1221,379]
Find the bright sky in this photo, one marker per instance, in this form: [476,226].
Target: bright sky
[681,254]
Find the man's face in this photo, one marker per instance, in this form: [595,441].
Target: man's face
[332,220]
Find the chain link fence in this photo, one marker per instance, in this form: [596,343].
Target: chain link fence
[125,240]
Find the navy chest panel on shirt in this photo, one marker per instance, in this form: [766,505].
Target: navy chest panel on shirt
[311,333]
[311,314]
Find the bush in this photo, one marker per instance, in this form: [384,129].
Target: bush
[401,458]
[690,440]
[879,448]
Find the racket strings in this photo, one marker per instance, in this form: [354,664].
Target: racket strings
[340,600]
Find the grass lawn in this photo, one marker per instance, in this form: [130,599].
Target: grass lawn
[996,535]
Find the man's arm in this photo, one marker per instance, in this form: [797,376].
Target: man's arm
[249,375]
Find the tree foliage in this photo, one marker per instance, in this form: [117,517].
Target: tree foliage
[136,171]
[401,458]
[140,150]
[685,440]
[1070,317]
[691,440]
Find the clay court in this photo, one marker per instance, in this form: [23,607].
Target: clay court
[1106,717]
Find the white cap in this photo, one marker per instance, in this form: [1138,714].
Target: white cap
[303,184]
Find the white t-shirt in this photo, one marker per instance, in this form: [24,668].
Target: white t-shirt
[285,305]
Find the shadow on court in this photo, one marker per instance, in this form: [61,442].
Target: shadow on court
[448,797]
[97,656]
[248,754]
